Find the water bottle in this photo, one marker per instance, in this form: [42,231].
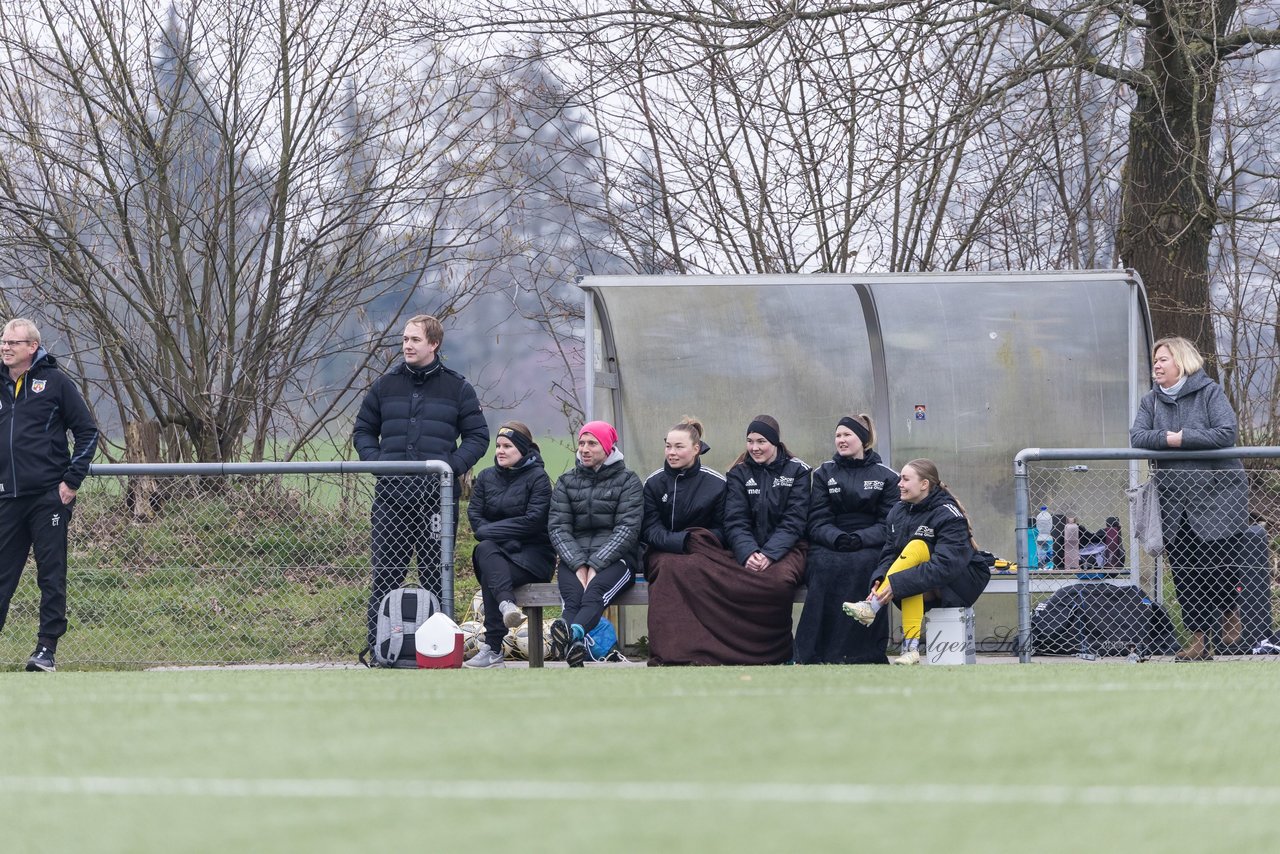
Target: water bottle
[1044,537]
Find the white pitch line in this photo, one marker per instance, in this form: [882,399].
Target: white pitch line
[652,791]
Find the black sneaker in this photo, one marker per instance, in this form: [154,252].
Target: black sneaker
[577,654]
[560,638]
[41,660]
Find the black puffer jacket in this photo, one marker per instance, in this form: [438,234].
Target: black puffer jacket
[34,421]
[852,497]
[596,515]
[676,500]
[419,414]
[766,507]
[951,568]
[509,507]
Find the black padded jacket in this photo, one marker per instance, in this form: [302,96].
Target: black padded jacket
[509,507]
[420,414]
[596,515]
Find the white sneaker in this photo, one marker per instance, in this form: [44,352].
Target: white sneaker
[911,656]
[485,658]
[860,611]
[512,617]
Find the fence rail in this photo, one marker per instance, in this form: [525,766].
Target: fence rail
[215,563]
[1101,595]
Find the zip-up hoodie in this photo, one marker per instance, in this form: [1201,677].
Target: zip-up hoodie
[939,522]
[34,421]
[676,500]
[852,497]
[766,507]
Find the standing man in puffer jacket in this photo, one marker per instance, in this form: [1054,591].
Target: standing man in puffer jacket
[39,476]
[419,410]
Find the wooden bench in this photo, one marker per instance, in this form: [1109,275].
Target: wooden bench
[534,597]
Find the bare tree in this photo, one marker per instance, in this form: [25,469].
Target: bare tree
[211,200]
[1159,67]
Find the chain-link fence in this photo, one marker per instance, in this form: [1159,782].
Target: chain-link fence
[1088,588]
[244,563]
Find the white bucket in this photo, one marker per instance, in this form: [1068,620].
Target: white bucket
[950,635]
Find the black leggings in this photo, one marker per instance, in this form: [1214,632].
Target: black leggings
[586,607]
[499,576]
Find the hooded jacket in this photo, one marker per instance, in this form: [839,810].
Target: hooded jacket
[596,515]
[676,500]
[766,507]
[34,421]
[509,507]
[951,568]
[1208,496]
[420,414]
[852,497]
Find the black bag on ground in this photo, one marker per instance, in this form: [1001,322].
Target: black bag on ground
[1101,619]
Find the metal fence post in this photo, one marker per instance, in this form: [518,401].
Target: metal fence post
[1022,507]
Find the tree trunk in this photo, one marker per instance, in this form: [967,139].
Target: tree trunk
[142,445]
[1169,213]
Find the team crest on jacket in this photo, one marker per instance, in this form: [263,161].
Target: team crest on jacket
[783,480]
[37,386]
[873,484]
[923,532]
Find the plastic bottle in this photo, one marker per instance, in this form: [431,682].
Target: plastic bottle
[1044,537]
[1071,546]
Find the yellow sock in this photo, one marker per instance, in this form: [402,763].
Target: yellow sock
[913,553]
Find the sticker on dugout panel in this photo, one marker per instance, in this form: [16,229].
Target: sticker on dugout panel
[920,412]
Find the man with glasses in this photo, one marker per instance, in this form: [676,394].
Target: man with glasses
[39,476]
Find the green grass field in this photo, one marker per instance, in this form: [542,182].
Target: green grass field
[989,758]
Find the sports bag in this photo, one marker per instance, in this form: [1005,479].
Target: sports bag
[401,613]
[601,640]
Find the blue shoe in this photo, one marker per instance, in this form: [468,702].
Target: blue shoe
[578,632]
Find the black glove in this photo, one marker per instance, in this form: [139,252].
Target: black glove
[848,542]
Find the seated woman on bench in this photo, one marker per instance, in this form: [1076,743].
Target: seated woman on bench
[686,564]
[928,559]
[508,515]
[596,512]
[746,618]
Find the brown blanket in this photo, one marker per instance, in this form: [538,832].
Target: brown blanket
[706,608]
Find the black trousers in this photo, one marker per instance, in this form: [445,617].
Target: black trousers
[399,532]
[499,576]
[586,606]
[36,523]
[1205,576]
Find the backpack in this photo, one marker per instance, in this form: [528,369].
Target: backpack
[401,613]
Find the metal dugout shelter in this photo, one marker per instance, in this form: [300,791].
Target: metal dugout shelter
[966,369]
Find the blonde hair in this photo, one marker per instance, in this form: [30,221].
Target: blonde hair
[1183,352]
[691,426]
[33,331]
[866,421]
[431,328]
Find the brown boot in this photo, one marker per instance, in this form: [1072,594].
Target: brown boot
[1196,650]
